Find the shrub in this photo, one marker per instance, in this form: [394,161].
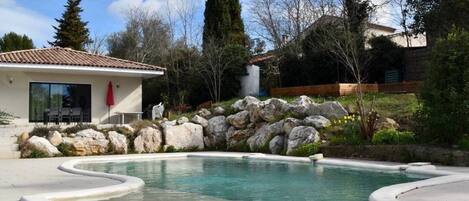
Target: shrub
[43,131]
[393,137]
[65,149]
[349,136]
[463,143]
[444,115]
[37,154]
[79,127]
[141,124]
[306,150]
[5,118]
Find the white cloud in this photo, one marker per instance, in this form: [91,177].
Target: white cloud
[162,7]
[387,13]
[24,21]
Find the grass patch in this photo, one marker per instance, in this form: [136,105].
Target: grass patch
[306,150]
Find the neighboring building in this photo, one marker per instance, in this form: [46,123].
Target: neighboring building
[35,83]
[250,84]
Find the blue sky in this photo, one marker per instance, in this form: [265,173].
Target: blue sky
[36,17]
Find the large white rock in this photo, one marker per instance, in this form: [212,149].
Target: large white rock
[235,139]
[330,110]
[118,143]
[148,140]
[272,109]
[41,145]
[301,135]
[166,124]
[185,136]
[239,120]
[300,106]
[182,120]
[216,132]
[317,121]
[90,133]
[254,110]
[200,120]
[218,110]
[83,146]
[289,124]
[55,138]
[261,138]
[204,113]
[243,103]
[276,145]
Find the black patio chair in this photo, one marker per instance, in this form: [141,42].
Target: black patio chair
[53,115]
[76,115]
[65,115]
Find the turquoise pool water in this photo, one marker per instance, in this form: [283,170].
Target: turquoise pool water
[238,179]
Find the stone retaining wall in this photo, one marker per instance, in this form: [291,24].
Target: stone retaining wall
[400,153]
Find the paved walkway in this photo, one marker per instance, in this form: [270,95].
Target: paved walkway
[20,177]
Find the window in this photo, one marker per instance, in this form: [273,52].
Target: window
[54,102]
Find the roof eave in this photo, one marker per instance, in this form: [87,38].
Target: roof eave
[70,69]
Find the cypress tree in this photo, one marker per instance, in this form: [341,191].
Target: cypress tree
[223,23]
[72,31]
[12,42]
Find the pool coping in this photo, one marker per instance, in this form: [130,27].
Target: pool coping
[131,184]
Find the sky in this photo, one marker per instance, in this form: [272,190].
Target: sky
[35,18]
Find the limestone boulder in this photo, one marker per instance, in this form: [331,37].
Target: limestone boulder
[386,123]
[272,109]
[182,120]
[200,120]
[289,124]
[239,120]
[262,136]
[185,136]
[276,145]
[55,138]
[330,110]
[128,129]
[118,143]
[166,124]
[277,127]
[317,121]
[22,138]
[218,110]
[39,145]
[204,113]
[299,107]
[301,135]
[242,104]
[236,139]
[254,110]
[216,132]
[149,140]
[90,133]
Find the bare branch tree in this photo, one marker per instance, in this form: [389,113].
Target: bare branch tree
[97,45]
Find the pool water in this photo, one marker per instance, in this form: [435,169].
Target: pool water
[243,179]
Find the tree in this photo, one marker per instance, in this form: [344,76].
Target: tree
[71,31]
[385,55]
[436,18]
[146,38]
[219,69]
[12,42]
[97,45]
[223,23]
[444,115]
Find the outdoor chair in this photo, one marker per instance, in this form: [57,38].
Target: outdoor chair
[65,115]
[53,115]
[76,115]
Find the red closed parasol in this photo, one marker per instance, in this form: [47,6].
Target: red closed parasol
[109,100]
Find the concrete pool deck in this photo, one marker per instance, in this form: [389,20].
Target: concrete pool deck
[19,177]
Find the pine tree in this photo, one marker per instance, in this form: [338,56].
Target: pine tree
[223,23]
[12,42]
[72,31]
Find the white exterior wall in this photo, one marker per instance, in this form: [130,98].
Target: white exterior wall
[14,97]
[250,83]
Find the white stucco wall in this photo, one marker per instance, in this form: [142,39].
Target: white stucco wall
[14,97]
[250,83]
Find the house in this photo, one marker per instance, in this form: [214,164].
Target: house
[40,85]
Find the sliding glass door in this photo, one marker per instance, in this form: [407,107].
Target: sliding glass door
[55,102]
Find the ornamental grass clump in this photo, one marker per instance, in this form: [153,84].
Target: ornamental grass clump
[393,137]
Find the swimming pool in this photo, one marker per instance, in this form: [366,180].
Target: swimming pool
[198,178]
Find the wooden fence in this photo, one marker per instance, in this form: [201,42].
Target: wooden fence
[344,89]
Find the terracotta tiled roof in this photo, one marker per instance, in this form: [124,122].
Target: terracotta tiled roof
[69,57]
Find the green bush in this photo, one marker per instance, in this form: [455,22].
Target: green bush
[37,154]
[350,134]
[79,127]
[43,131]
[306,150]
[393,137]
[463,143]
[65,149]
[444,115]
